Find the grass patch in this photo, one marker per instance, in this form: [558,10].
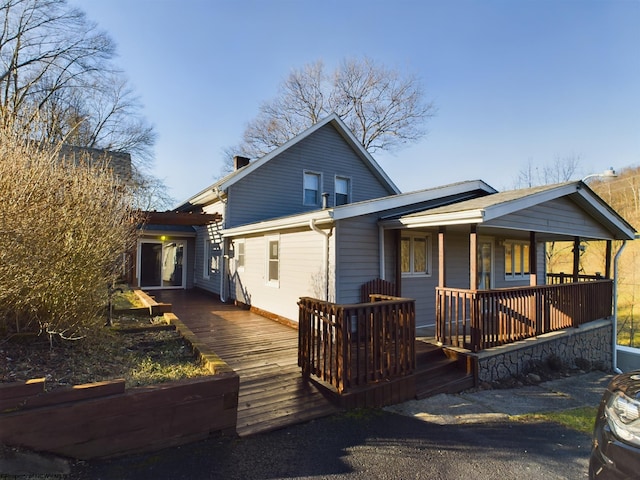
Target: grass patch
[581,419]
[126,299]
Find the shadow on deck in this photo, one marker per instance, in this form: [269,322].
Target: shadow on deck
[262,352]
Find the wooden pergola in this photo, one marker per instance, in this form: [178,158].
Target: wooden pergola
[180,218]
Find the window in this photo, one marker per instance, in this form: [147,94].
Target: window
[415,258]
[239,254]
[311,189]
[273,261]
[211,259]
[342,191]
[516,260]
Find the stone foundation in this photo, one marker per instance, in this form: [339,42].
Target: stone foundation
[588,346]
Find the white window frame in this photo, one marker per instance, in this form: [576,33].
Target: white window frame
[268,240]
[429,265]
[240,254]
[519,273]
[318,175]
[335,189]
[211,262]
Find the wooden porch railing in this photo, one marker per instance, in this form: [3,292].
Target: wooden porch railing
[481,319]
[351,346]
[561,278]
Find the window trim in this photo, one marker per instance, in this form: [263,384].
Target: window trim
[318,201]
[335,189]
[268,240]
[513,276]
[209,256]
[238,255]
[428,256]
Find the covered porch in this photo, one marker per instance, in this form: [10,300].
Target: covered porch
[490,273]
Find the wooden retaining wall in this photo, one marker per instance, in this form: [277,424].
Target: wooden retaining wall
[105,420]
[100,420]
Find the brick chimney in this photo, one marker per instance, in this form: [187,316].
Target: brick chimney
[239,162]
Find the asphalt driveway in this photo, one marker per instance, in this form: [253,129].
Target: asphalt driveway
[372,444]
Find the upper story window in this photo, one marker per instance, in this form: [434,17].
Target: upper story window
[343,187]
[516,260]
[311,194]
[415,258]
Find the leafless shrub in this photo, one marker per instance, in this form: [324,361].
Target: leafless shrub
[63,226]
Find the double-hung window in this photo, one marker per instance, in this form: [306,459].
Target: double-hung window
[239,254]
[516,260]
[311,193]
[415,257]
[343,186]
[211,259]
[273,261]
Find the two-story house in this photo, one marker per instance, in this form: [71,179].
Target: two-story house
[318,217]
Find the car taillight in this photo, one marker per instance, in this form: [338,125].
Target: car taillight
[623,417]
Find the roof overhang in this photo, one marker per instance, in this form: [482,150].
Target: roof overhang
[318,218]
[487,209]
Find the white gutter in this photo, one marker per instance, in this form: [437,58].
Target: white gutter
[326,235]
[614,334]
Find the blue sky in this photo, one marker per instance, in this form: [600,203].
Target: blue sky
[514,81]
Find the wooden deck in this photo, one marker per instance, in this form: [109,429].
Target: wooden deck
[264,353]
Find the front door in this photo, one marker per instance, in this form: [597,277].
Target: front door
[161,264]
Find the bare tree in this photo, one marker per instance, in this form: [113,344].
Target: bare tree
[561,169]
[57,82]
[384,108]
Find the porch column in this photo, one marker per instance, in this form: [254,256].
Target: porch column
[576,258]
[473,258]
[607,264]
[441,255]
[533,259]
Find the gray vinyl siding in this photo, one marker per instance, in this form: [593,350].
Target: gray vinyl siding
[357,256]
[557,216]
[276,188]
[423,288]
[301,272]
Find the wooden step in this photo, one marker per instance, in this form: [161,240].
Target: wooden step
[440,370]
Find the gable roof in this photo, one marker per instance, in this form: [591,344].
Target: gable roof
[212,192]
[484,209]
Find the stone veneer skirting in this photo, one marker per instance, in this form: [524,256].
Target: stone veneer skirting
[589,345]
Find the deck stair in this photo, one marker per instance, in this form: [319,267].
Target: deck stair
[440,370]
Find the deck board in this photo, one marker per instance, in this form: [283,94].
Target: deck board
[264,353]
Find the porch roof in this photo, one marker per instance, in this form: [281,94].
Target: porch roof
[484,210]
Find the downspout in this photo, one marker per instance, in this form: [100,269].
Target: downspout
[614,351]
[326,235]
[225,254]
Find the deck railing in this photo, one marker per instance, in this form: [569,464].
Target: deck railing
[561,278]
[481,319]
[351,346]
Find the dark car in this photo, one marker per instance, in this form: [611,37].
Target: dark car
[616,436]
